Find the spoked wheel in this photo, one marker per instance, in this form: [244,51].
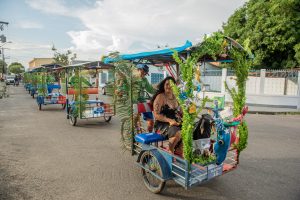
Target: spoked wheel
[152,166]
[103,91]
[72,120]
[63,106]
[40,106]
[107,118]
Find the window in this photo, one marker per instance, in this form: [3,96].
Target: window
[103,77]
[156,78]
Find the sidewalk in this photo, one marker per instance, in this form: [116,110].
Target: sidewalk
[270,110]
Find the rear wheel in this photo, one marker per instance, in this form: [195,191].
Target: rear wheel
[103,91]
[152,166]
[107,118]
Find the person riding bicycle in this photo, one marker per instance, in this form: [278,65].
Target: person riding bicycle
[145,87]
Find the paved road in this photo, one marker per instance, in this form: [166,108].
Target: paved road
[43,157]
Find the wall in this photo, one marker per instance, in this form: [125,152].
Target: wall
[276,90]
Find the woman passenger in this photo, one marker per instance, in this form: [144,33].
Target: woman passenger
[166,113]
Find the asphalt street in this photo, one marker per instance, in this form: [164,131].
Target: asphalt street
[43,157]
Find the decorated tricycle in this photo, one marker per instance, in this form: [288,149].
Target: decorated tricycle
[208,144]
[83,100]
[48,86]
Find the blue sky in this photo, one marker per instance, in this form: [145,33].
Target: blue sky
[92,28]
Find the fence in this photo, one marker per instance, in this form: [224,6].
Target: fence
[281,84]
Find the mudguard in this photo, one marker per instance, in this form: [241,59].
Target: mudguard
[166,171]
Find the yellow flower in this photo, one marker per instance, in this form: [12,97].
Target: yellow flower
[192,109]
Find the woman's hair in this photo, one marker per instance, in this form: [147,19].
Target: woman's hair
[161,87]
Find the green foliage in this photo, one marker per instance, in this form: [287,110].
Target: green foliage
[63,59]
[243,137]
[297,52]
[41,83]
[80,99]
[16,68]
[241,66]
[273,29]
[203,160]
[187,69]
[212,46]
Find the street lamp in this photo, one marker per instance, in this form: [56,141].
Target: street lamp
[3,58]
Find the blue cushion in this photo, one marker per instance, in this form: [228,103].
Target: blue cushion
[147,138]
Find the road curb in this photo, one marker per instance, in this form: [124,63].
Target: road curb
[273,113]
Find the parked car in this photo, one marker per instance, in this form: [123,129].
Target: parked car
[10,79]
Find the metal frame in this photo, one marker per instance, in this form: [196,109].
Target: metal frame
[97,65]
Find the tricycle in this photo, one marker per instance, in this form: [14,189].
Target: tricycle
[48,86]
[202,159]
[79,90]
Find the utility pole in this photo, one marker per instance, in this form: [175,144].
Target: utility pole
[3,40]
[3,59]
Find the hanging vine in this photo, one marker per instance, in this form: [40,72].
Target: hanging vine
[211,47]
[241,66]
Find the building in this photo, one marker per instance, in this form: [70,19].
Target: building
[37,62]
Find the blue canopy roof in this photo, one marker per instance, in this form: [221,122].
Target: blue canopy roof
[164,52]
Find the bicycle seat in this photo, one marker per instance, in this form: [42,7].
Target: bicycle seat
[147,138]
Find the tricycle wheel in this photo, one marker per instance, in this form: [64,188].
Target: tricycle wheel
[151,167]
[63,106]
[107,118]
[40,106]
[72,120]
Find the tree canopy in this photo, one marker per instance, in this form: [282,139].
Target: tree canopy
[273,29]
[16,68]
[62,58]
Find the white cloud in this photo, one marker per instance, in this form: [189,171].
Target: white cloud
[51,7]
[30,25]
[134,25]
[23,52]
[139,25]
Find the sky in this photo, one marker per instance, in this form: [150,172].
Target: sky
[93,28]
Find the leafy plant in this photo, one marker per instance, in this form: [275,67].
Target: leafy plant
[212,46]
[241,66]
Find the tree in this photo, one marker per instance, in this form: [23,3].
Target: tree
[1,66]
[273,28]
[16,68]
[63,58]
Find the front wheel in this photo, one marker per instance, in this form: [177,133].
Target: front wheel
[151,169]
[72,120]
